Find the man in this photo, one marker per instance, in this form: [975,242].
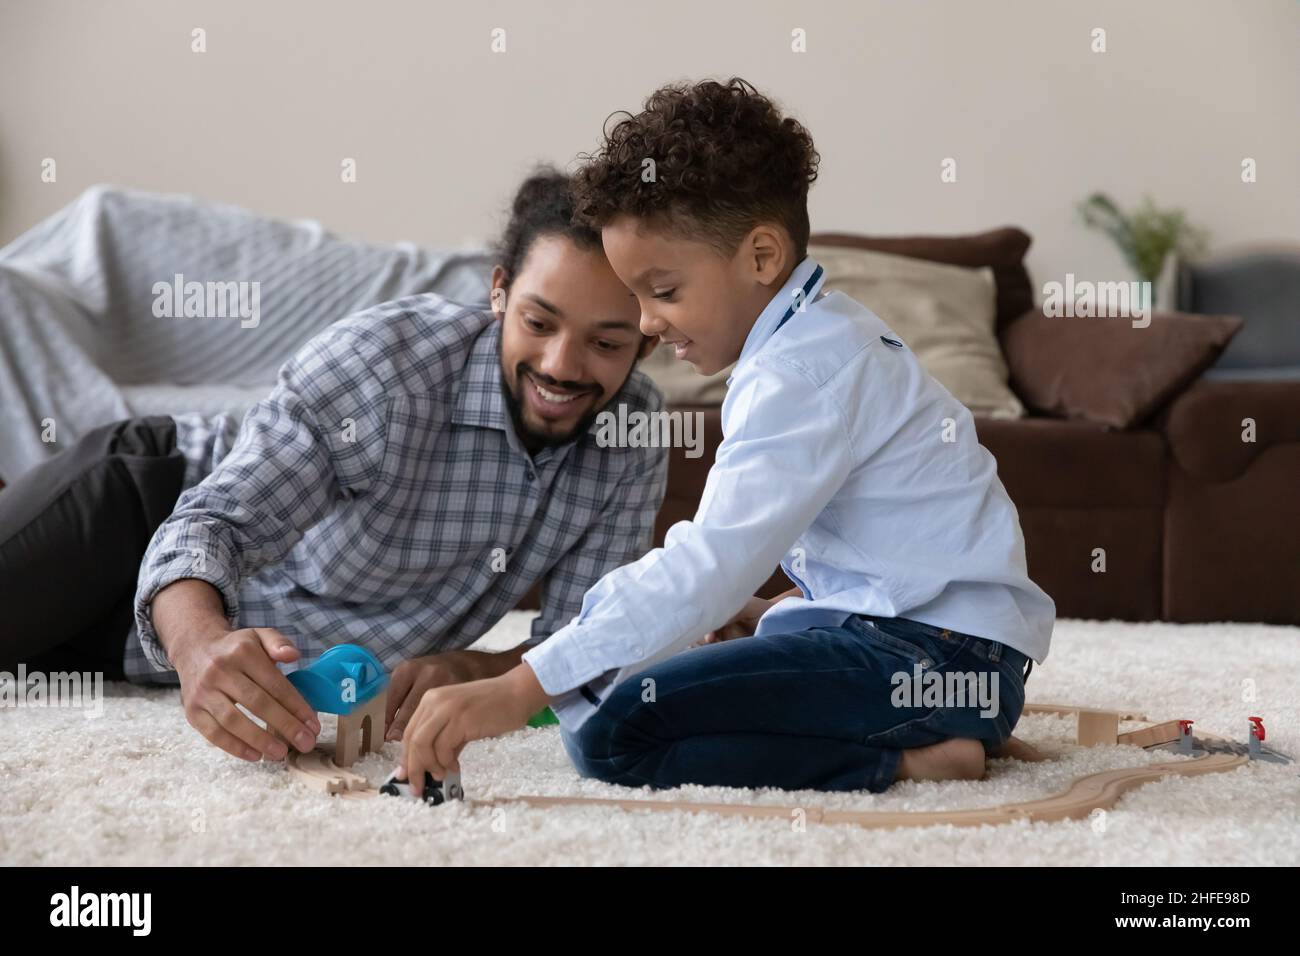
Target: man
[417,469]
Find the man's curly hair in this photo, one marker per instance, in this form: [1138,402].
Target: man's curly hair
[725,159]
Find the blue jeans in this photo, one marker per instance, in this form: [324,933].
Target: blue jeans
[823,709]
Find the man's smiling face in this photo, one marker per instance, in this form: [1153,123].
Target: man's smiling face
[569,339]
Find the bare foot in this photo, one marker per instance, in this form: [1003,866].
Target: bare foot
[1018,749]
[957,759]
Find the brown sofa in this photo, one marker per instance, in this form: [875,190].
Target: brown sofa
[1196,525]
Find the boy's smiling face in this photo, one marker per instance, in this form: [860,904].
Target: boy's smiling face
[692,296]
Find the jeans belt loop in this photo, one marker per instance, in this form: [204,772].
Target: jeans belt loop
[995,652]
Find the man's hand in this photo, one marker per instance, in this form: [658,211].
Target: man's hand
[238,667]
[220,667]
[450,717]
[412,678]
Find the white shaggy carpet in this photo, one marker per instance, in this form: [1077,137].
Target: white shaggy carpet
[139,786]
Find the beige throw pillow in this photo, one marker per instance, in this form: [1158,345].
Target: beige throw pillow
[945,314]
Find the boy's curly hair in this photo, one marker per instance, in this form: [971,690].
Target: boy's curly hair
[725,159]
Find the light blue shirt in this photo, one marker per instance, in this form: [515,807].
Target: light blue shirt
[846,462]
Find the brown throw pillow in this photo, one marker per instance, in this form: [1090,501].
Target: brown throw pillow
[1107,370]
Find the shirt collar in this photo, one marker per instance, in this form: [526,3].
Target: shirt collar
[479,400]
[786,306]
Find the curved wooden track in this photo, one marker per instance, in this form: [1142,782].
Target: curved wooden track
[1095,791]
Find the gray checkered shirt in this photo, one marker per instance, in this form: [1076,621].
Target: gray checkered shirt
[379,496]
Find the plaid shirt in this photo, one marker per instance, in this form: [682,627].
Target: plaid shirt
[380,496]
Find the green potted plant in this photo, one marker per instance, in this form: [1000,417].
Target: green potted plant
[1146,236]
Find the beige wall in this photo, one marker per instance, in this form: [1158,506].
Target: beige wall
[442,128]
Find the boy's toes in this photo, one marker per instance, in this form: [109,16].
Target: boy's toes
[1018,749]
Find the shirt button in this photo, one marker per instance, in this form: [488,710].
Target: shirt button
[532,475]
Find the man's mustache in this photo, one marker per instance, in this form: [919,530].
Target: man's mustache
[592,387]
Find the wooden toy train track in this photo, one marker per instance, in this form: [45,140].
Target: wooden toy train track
[1094,791]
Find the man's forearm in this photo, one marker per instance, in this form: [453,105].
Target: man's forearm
[494,664]
[184,609]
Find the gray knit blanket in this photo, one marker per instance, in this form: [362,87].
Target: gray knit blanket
[127,302]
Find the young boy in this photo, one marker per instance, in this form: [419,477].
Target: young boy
[902,655]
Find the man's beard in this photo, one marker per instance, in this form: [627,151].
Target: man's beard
[532,437]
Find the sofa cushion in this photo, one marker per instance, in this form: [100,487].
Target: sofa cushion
[1262,285]
[1049,462]
[1082,492]
[1267,373]
[1107,370]
[1233,547]
[1208,427]
[1002,250]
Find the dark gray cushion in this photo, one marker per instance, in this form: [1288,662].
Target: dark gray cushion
[1263,287]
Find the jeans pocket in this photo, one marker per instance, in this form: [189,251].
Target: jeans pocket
[908,639]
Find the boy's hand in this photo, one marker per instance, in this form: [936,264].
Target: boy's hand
[449,717]
[743,624]
[413,677]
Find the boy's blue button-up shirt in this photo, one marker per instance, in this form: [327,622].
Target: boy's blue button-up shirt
[843,460]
